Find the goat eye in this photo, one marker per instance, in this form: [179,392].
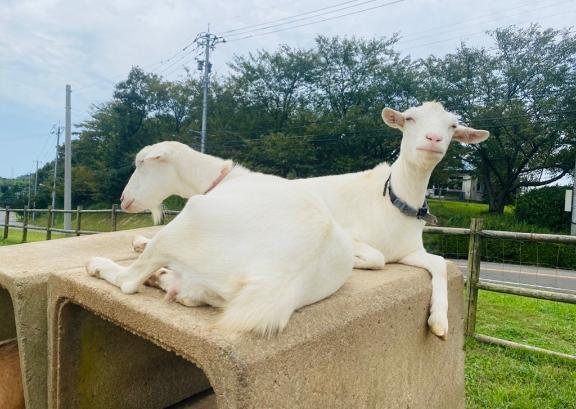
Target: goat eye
[409,118]
[453,126]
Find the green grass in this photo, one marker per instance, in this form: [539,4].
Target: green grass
[498,377]
[501,378]
[541,323]
[15,237]
[458,214]
[101,222]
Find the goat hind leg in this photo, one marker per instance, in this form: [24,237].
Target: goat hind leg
[104,268]
[367,257]
[128,278]
[133,276]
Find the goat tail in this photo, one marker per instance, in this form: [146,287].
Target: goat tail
[262,306]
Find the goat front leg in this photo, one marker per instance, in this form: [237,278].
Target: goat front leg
[139,243]
[436,266]
[367,257]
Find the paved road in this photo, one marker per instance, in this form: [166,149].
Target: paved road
[544,278]
[12,218]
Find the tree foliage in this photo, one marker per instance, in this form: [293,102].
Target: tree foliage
[300,112]
[522,91]
[530,208]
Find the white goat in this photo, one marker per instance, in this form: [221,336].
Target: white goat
[361,202]
[369,204]
[257,245]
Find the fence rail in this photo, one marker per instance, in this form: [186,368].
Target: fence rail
[473,283]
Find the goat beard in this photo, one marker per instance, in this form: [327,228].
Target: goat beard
[157,214]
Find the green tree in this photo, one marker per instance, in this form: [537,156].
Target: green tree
[522,91]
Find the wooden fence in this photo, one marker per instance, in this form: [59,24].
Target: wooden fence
[25,225]
[473,283]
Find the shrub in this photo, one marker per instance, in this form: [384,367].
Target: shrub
[544,207]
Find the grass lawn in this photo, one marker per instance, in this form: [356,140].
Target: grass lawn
[103,221]
[498,377]
[15,237]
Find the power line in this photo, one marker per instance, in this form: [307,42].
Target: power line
[287,18]
[361,133]
[294,19]
[184,63]
[317,21]
[434,30]
[182,57]
[460,36]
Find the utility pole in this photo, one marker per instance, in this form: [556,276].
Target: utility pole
[208,41]
[573,224]
[68,161]
[58,130]
[29,188]
[35,191]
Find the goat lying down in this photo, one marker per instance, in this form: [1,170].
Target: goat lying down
[257,246]
[382,209]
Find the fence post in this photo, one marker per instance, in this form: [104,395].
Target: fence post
[78,220]
[25,225]
[49,224]
[163,214]
[6,221]
[473,276]
[114,217]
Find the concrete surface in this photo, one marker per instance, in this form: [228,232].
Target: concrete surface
[24,271]
[367,346]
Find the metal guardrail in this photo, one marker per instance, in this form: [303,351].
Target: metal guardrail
[473,283]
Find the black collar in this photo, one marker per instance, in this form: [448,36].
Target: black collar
[422,213]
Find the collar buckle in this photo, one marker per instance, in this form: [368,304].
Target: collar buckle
[422,212]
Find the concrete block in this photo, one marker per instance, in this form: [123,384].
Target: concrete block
[367,346]
[24,271]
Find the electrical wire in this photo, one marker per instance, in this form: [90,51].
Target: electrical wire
[317,21]
[292,19]
[287,18]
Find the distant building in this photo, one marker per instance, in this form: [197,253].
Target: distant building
[472,189]
[461,187]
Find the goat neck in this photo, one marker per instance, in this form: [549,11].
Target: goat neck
[199,173]
[409,182]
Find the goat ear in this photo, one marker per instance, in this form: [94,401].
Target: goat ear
[155,156]
[393,119]
[470,135]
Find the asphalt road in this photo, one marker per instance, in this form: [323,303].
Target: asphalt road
[12,221]
[543,278]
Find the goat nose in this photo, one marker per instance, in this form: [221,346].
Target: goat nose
[434,137]
[122,197]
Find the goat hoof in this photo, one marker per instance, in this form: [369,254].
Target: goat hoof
[94,267]
[439,326]
[139,244]
[129,287]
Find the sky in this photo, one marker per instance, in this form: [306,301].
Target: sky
[91,45]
